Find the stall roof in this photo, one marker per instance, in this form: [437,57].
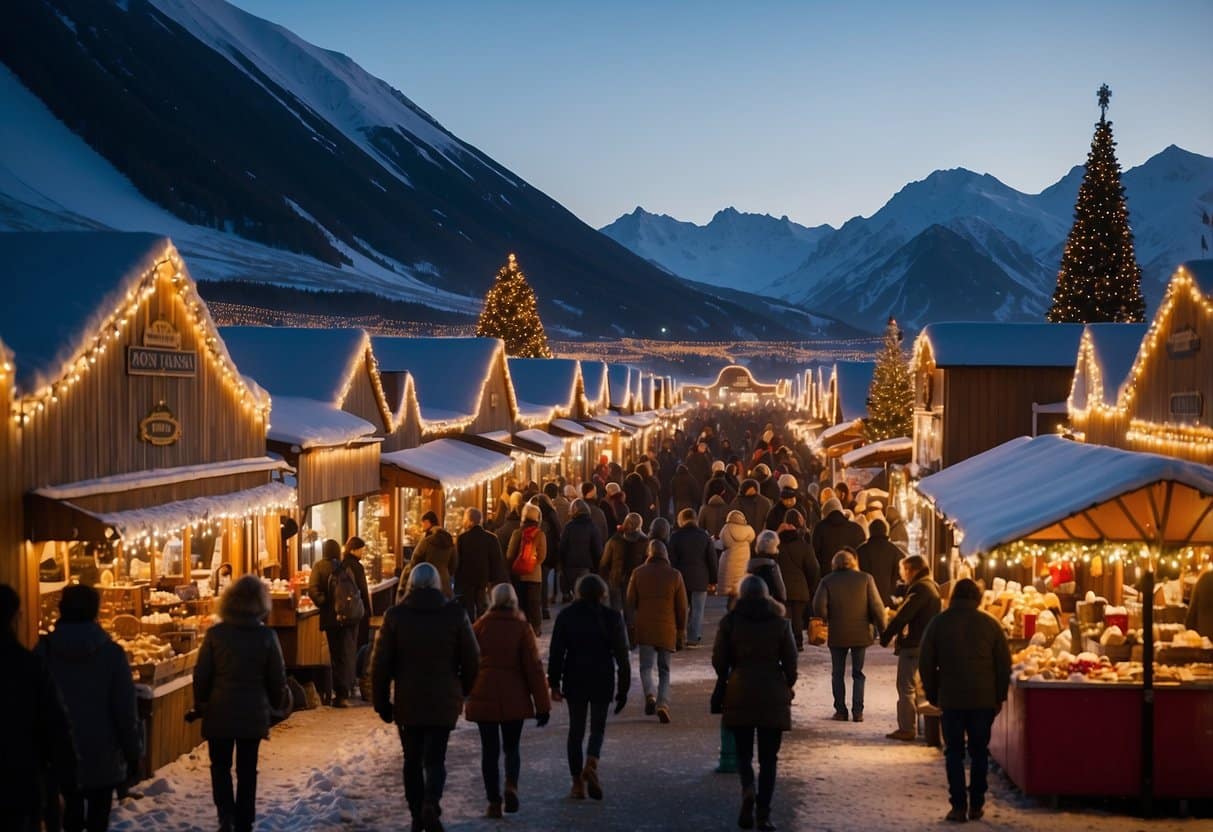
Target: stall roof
[854,379]
[594,378]
[449,374]
[1028,489]
[569,426]
[614,422]
[896,450]
[551,445]
[638,420]
[547,382]
[835,432]
[300,362]
[1114,349]
[986,344]
[1202,273]
[619,378]
[157,477]
[308,423]
[450,463]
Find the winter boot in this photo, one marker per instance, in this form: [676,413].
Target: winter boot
[728,752]
[430,812]
[663,714]
[650,705]
[494,811]
[590,775]
[578,790]
[746,818]
[762,818]
[511,797]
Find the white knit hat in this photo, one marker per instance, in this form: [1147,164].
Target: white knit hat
[612,488]
[788,481]
[717,466]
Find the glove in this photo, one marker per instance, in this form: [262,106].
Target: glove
[542,719]
[619,704]
[386,714]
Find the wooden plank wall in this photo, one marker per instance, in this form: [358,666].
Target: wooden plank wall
[332,473]
[986,406]
[1163,375]
[362,401]
[18,568]
[490,418]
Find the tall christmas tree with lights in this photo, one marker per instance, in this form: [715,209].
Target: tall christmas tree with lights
[510,313]
[1099,278]
[891,395]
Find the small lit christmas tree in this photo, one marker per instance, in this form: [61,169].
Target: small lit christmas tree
[1099,279]
[510,313]
[891,395]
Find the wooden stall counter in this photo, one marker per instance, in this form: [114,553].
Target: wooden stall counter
[303,643]
[166,733]
[383,595]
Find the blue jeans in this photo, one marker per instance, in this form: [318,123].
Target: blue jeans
[648,656]
[695,621]
[976,725]
[838,657]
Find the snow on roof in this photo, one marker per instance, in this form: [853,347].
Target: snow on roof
[449,374]
[594,377]
[61,287]
[898,444]
[532,413]
[975,344]
[161,476]
[613,422]
[1202,272]
[308,423]
[300,362]
[619,379]
[545,381]
[178,515]
[854,379]
[1025,485]
[1114,349]
[639,420]
[852,426]
[552,445]
[451,463]
[569,426]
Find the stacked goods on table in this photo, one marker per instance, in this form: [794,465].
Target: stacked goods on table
[154,660]
[1025,612]
[1044,665]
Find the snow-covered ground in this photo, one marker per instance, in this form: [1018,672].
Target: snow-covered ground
[330,770]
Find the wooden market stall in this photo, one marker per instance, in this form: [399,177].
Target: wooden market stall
[547,389]
[15,570]
[142,452]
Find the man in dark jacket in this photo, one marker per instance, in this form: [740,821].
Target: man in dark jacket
[768,486]
[589,493]
[351,559]
[639,498]
[752,504]
[965,663]
[789,500]
[342,639]
[623,552]
[798,565]
[919,605]
[511,522]
[834,533]
[699,464]
[692,554]
[848,602]
[480,565]
[38,744]
[881,559]
[425,663]
[94,677]
[580,545]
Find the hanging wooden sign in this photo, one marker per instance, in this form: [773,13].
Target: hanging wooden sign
[162,334]
[160,427]
[1183,342]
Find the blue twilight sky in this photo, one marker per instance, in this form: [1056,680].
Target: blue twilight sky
[820,111]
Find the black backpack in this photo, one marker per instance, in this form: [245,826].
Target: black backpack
[346,595]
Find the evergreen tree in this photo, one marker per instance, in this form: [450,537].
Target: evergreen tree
[1099,279]
[510,314]
[891,395]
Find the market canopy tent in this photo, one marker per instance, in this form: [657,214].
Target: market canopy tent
[1052,489]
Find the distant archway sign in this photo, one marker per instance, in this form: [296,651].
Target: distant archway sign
[736,384]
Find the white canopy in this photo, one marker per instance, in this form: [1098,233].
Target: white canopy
[451,463]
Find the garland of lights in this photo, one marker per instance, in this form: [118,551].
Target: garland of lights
[510,312]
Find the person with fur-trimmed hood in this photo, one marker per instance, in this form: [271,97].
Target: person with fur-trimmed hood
[764,563]
[736,538]
[615,505]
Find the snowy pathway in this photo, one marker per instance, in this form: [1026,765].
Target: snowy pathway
[329,770]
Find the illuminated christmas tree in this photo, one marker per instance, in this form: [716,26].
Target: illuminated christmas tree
[510,314]
[1099,278]
[891,395]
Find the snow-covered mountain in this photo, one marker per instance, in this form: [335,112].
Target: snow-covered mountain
[269,159]
[1001,252]
[733,250]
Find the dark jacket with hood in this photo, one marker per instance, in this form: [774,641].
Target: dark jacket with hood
[685,491]
[767,568]
[599,517]
[240,677]
[719,483]
[713,515]
[616,508]
[318,591]
[920,605]
[588,659]
[831,534]
[37,733]
[798,565]
[693,554]
[768,487]
[580,545]
[755,654]
[620,557]
[639,498]
[754,506]
[479,561]
[425,661]
[774,518]
[964,659]
[94,678]
[505,530]
[438,550]
[881,559]
[700,467]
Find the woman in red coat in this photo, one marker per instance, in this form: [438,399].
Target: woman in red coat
[509,689]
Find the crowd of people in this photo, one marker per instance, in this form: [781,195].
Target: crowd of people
[627,561]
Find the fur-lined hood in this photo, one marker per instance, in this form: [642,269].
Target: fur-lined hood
[246,602]
[759,609]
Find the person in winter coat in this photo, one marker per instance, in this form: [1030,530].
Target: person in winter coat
[550,524]
[882,560]
[685,492]
[639,498]
[658,599]
[510,688]
[239,684]
[342,636]
[559,502]
[659,496]
[589,493]
[659,530]
[798,565]
[765,564]
[965,663]
[588,666]
[898,533]
[615,507]
[752,504]
[425,663]
[503,505]
[755,662]
[789,500]
[919,605]
[713,515]
[693,554]
[511,522]
[529,542]
[94,679]
[351,558]
[834,533]
[479,564]
[718,483]
[768,486]
[848,602]
[623,553]
[699,464]
[39,757]
[735,538]
[436,548]
[580,545]
[1200,606]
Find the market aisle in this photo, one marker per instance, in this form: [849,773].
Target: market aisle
[329,769]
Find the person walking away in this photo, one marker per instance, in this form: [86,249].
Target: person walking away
[351,561]
[639,498]
[919,605]
[560,503]
[39,758]
[789,500]
[658,599]
[437,548]
[94,679]
[511,522]
[798,566]
[623,552]
[718,483]
[898,533]
[502,507]
[765,564]
[588,666]
[834,533]
[755,662]
[658,496]
[847,600]
[615,506]
[659,530]
[965,663]
[510,688]
[589,493]
[425,663]
[550,524]
[685,492]
[768,486]
[525,557]
[346,605]
[715,512]
[881,559]
[693,554]
[479,564]
[580,545]
[341,639]
[735,539]
[752,504]
[239,684]
[699,464]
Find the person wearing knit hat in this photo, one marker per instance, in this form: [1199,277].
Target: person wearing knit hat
[718,466]
[788,481]
[768,484]
[763,564]
[833,533]
[789,499]
[615,506]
